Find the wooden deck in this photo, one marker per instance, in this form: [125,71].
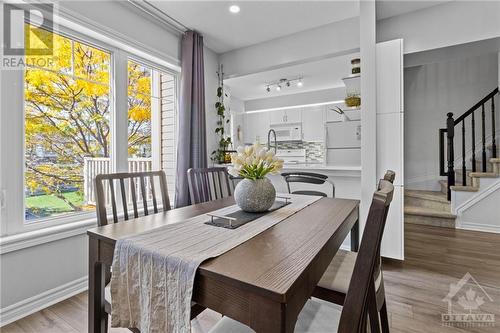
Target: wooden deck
[435,258]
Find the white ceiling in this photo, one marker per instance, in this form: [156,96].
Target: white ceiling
[258,21]
[389,8]
[317,75]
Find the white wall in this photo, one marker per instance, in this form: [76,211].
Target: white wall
[35,276]
[451,23]
[318,96]
[431,91]
[120,18]
[211,84]
[334,39]
[482,212]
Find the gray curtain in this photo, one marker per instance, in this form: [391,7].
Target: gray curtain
[192,141]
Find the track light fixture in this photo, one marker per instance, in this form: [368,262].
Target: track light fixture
[284,83]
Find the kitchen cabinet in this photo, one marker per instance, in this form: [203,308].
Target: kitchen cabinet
[284,116]
[390,139]
[313,123]
[256,127]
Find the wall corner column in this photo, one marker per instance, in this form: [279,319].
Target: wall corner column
[369,106]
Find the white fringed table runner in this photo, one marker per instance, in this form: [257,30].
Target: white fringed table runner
[153,272]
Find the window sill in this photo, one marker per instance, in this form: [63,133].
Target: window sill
[37,237]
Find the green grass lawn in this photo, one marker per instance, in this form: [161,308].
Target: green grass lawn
[46,205]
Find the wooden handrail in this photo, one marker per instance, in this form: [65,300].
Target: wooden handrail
[449,170]
[476,106]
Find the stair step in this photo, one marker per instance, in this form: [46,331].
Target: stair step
[427,199]
[427,216]
[444,184]
[464,188]
[483,174]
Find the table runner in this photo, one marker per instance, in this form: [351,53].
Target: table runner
[153,272]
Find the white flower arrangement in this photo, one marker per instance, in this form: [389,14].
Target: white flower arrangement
[254,162]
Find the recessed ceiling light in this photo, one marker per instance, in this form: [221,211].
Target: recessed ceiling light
[234,9]
[300,84]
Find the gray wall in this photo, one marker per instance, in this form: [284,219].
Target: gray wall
[431,91]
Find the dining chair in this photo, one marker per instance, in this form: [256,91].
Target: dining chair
[133,189]
[307,178]
[334,283]
[207,184]
[357,315]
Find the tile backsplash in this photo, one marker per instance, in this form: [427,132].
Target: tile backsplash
[314,150]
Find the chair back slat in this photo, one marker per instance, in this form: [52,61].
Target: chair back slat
[361,294]
[113,200]
[144,195]
[148,194]
[124,198]
[153,194]
[208,184]
[134,197]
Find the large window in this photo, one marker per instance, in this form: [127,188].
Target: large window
[67,122]
[73,104]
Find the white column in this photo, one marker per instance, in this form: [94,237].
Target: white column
[119,150]
[369,107]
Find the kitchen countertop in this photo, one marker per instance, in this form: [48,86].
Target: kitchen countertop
[312,166]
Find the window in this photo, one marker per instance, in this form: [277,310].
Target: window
[151,120]
[94,108]
[67,123]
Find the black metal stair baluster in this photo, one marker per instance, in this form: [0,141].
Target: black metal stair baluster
[483,123]
[464,167]
[473,143]
[450,133]
[493,140]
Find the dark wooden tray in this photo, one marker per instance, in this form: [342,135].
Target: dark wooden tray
[239,218]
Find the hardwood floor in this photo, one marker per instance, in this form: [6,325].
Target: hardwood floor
[415,289]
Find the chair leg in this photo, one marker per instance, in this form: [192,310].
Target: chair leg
[384,318]
[106,323]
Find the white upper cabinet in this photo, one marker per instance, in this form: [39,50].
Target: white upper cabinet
[293,116]
[256,127]
[284,116]
[313,128]
[277,117]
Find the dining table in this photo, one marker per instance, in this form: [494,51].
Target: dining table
[263,282]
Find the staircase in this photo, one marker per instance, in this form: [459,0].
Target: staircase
[435,208]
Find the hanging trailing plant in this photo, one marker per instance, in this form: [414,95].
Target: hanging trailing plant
[224,140]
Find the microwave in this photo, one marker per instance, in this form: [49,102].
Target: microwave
[288,132]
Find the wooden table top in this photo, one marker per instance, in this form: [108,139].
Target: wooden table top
[271,261]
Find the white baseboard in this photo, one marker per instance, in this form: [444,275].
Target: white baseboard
[36,303]
[479,227]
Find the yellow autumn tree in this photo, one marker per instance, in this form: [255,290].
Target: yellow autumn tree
[67,114]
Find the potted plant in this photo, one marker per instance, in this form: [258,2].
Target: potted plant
[223,140]
[254,193]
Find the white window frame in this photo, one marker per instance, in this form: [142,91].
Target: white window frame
[12,133]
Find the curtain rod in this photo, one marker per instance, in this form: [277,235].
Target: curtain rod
[159,15]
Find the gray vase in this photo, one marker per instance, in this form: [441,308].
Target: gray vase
[254,196]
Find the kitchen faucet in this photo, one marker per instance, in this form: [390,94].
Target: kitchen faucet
[275,146]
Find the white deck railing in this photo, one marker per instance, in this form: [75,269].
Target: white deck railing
[97,165]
